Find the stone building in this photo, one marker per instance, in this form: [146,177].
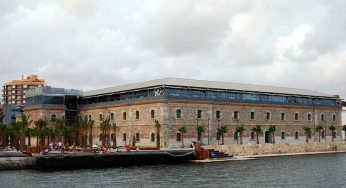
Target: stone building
[176,102]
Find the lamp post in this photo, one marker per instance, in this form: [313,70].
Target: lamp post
[208,129]
[217,132]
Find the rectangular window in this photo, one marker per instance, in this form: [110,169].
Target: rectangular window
[282,116]
[296,135]
[152,114]
[322,117]
[112,116]
[152,137]
[137,137]
[252,135]
[124,137]
[137,114]
[217,114]
[334,117]
[252,115]
[178,113]
[199,114]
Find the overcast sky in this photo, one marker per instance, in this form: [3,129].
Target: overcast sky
[90,44]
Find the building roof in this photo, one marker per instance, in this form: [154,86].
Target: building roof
[206,85]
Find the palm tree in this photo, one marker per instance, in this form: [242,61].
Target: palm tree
[23,126]
[114,139]
[258,130]
[332,128]
[318,129]
[40,128]
[158,129]
[222,131]
[200,130]
[307,131]
[83,130]
[105,126]
[29,132]
[344,129]
[91,125]
[60,127]
[3,134]
[240,130]
[182,131]
[272,130]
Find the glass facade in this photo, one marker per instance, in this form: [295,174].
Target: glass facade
[43,99]
[167,92]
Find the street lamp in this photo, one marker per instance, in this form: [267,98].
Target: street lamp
[217,132]
[208,129]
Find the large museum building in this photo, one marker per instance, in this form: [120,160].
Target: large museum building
[176,102]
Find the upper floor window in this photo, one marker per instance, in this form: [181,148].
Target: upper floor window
[178,113]
[137,114]
[124,115]
[236,115]
[322,117]
[217,114]
[296,116]
[252,115]
[309,117]
[112,116]
[152,114]
[53,117]
[334,117]
[268,115]
[100,117]
[282,116]
[199,113]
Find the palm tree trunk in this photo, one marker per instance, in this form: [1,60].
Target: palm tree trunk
[36,141]
[29,140]
[158,144]
[241,138]
[319,136]
[222,139]
[257,138]
[91,137]
[332,136]
[345,135]
[307,140]
[114,140]
[273,137]
[182,140]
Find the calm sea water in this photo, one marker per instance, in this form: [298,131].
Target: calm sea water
[325,170]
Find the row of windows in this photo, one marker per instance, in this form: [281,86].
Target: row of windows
[252,115]
[112,116]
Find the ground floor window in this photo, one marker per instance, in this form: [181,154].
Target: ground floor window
[252,136]
[124,137]
[334,134]
[137,137]
[152,137]
[235,136]
[282,135]
[322,134]
[178,137]
[296,135]
[309,135]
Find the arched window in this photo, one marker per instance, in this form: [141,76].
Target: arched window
[283,135]
[252,136]
[334,117]
[152,114]
[235,135]
[296,135]
[124,115]
[322,117]
[178,137]
[296,116]
[309,117]
[282,116]
[178,113]
[199,114]
[268,115]
[236,115]
[152,137]
[124,137]
[137,137]
[322,134]
[137,114]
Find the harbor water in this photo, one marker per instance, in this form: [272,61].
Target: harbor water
[322,170]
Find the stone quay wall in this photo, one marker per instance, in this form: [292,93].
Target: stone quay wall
[286,148]
[15,163]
